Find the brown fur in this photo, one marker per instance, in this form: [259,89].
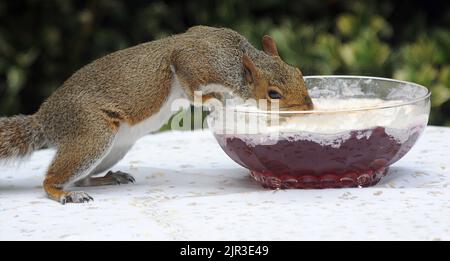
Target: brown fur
[19,136]
[128,86]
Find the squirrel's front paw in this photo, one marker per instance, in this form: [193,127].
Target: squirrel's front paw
[75,197]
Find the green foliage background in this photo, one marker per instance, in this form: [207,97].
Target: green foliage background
[43,42]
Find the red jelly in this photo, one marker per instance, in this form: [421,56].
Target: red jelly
[360,160]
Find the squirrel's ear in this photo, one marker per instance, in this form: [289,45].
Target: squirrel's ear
[269,45]
[250,70]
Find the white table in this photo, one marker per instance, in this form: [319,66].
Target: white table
[188,189]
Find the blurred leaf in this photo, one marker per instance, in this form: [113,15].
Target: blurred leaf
[27,58]
[441,94]
[365,53]
[444,76]
[347,24]
[15,79]
[379,25]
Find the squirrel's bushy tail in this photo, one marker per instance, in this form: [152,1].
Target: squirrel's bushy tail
[19,136]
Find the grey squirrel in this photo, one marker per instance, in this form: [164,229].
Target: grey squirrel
[95,117]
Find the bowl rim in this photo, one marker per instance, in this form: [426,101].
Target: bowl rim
[407,102]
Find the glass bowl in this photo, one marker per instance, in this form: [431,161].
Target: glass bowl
[358,128]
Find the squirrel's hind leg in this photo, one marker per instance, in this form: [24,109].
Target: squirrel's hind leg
[115,154]
[111,178]
[74,161]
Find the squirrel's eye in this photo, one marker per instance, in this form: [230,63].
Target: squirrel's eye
[274,95]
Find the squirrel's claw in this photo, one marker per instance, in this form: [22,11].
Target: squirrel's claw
[75,197]
[120,177]
[111,178]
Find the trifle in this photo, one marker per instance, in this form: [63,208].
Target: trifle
[358,128]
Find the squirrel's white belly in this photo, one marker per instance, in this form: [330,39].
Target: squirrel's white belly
[127,135]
